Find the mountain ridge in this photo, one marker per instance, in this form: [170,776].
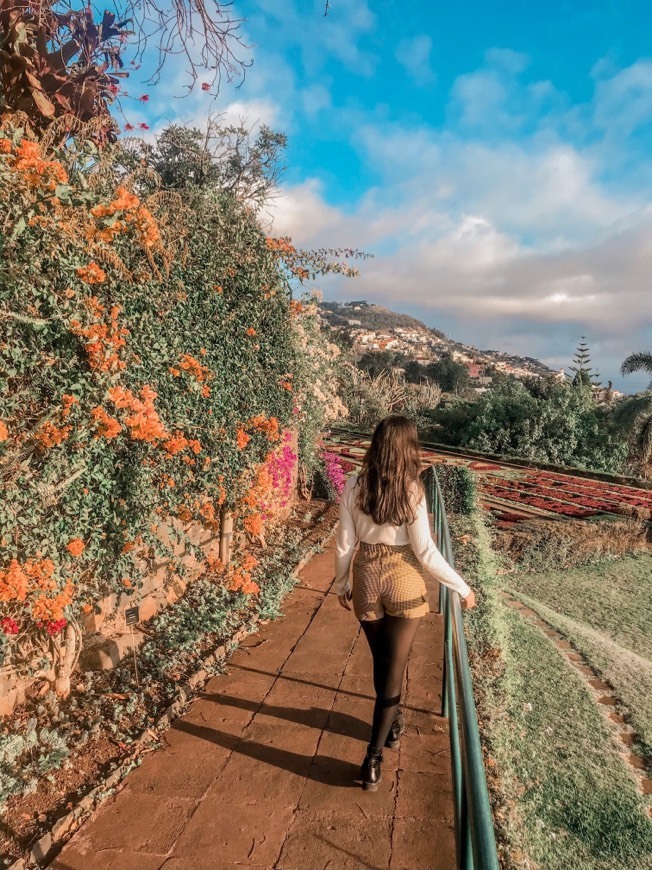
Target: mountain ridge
[360,318]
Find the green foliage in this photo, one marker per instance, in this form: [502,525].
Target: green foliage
[458,488]
[223,157]
[540,545]
[170,316]
[452,377]
[378,362]
[561,795]
[563,427]
[635,413]
[415,372]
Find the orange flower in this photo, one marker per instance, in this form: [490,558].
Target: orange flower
[107,427]
[254,524]
[4,432]
[50,435]
[189,364]
[126,582]
[5,146]
[68,401]
[205,391]
[91,274]
[242,438]
[175,444]
[215,564]
[251,331]
[249,562]
[13,582]
[75,547]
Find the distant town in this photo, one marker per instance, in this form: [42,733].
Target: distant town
[372,328]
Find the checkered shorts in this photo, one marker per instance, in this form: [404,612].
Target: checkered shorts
[388,579]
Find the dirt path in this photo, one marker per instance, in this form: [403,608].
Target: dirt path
[604,694]
[261,771]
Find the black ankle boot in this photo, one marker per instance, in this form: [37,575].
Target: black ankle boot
[370,773]
[395,732]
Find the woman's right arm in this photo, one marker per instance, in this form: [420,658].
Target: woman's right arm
[429,556]
[344,543]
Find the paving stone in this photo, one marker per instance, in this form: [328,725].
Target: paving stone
[266,761]
[184,767]
[278,734]
[139,823]
[300,695]
[422,844]
[351,716]
[334,780]
[425,753]
[424,796]
[72,858]
[207,863]
[345,842]
[226,832]
[256,774]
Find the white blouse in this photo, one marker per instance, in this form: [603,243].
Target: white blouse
[357,526]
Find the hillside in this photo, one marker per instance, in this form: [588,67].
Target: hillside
[373,327]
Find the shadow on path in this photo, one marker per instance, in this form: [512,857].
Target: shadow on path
[332,771]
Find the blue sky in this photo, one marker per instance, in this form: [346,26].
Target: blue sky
[495,159]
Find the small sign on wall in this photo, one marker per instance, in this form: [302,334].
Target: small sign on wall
[132,616]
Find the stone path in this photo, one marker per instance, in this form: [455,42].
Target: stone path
[260,773]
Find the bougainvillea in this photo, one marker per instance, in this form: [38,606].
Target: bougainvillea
[154,363]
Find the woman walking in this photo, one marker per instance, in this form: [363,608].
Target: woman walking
[383,509]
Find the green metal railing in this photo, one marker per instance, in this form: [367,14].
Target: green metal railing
[474,830]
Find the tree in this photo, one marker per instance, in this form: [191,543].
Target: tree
[415,372]
[635,413]
[541,388]
[227,157]
[584,375]
[451,376]
[57,62]
[564,427]
[377,362]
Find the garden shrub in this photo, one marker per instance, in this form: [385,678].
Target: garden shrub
[458,488]
[548,545]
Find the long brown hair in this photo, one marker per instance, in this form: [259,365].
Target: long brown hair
[390,468]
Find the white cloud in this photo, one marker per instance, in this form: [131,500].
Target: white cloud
[414,56]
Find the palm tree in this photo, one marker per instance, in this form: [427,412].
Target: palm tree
[636,412]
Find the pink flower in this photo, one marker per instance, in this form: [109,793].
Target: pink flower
[9,625]
[144,98]
[144,126]
[129,127]
[205,86]
[53,627]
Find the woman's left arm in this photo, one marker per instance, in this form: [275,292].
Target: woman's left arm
[429,556]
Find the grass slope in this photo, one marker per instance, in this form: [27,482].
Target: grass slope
[563,797]
[606,611]
[579,804]
[614,598]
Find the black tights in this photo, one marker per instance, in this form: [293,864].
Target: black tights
[390,640]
